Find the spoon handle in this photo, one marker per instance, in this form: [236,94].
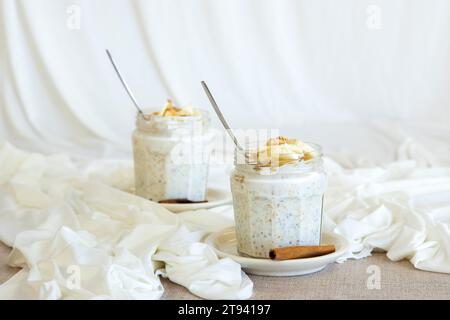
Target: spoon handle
[122,80]
[220,115]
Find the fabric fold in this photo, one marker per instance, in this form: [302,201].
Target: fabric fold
[77,237]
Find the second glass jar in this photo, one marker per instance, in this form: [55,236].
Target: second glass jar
[171,156]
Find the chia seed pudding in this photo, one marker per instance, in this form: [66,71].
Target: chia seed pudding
[278,196]
[171,154]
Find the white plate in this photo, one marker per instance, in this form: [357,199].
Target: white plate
[225,245]
[215,197]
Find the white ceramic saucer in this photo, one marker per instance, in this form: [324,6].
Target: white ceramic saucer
[225,244]
[215,197]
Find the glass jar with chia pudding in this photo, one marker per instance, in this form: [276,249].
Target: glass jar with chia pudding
[278,196]
[171,154]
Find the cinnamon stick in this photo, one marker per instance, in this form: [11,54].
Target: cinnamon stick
[298,252]
[182,201]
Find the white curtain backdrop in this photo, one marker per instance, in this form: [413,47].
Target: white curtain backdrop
[358,76]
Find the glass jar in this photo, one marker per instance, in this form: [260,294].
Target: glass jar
[171,156]
[278,208]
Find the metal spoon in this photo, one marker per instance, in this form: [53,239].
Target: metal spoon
[127,89]
[220,115]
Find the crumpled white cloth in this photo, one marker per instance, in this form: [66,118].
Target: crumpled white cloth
[402,208]
[63,221]
[76,237]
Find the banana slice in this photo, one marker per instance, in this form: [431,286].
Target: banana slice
[281,150]
[170,110]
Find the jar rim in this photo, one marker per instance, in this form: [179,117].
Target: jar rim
[150,115]
[153,122]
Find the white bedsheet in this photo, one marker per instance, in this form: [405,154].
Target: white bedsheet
[64,221]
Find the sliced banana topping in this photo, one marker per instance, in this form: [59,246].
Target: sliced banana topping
[170,110]
[281,151]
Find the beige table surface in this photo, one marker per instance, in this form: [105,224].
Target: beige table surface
[399,280]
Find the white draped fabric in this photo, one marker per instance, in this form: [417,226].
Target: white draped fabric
[78,234]
[368,80]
